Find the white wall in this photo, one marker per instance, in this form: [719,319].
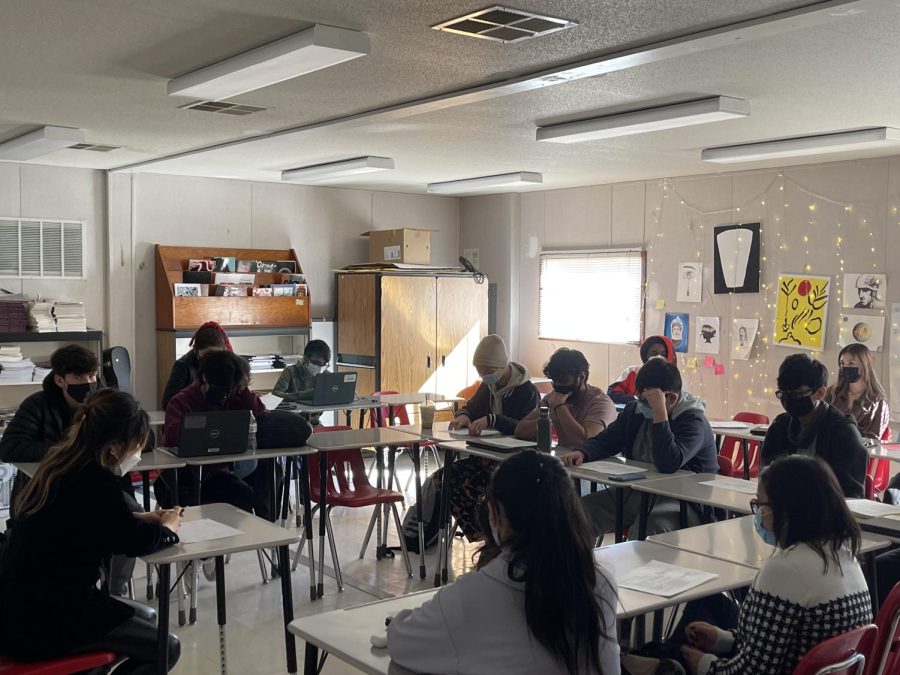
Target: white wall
[673,219]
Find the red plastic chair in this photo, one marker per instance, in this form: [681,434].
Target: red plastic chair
[726,466]
[886,653]
[870,488]
[731,446]
[844,654]
[348,485]
[66,665]
[880,469]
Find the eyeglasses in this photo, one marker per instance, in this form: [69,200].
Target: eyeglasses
[781,395]
[755,504]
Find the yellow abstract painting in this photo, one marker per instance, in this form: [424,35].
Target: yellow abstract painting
[802,311]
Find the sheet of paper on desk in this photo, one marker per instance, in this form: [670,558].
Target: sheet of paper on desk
[867,507]
[508,442]
[204,529]
[736,484]
[271,401]
[659,578]
[729,424]
[465,432]
[613,468]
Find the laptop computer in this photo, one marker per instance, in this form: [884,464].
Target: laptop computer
[334,388]
[221,432]
[501,444]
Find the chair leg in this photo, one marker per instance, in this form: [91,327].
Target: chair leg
[179,594]
[262,566]
[372,521]
[195,570]
[302,544]
[399,526]
[437,457]
[334,555]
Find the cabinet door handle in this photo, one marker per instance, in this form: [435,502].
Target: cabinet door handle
[428,360]
[443,360]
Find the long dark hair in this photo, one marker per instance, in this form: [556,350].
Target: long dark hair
[551,551]
[108,420]
[841,389]
[808,507]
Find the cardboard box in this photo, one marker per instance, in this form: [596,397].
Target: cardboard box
[400,246]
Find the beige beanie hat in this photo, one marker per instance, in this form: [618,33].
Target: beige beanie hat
[491,353]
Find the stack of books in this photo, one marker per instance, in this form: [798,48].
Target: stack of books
[13,314]
[70,317]
[40,317]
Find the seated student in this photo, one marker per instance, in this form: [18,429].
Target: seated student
[858,392]
[541,606]
[71,516]
[809,426]
[666,427]
[505,396]
[578,411]
[186,370]
[297,382]
[43,418]
[811,589]
[623,389]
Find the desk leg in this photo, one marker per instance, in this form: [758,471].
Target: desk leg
[175,486]
[380,543]
[287,600]
[286,490]
[657,626]
[620,513]
[220,612]
[644,517]
[162,628]
[198,481]
[745,449]
[308,525]
[311,660]
[145,486]
[385,509]
[416,458]
[443,561]
[323,492]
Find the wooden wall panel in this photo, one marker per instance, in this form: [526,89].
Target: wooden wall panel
[407,333]
[461,321]
[356,314]
[165,357]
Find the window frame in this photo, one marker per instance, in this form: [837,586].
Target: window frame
[638,250]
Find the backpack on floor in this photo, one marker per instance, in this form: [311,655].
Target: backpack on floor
[431,507]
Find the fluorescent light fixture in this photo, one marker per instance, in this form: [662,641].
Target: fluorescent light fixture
[842,141]
[310,50]
[672,116]
[40,142]
[347,167]
[503,180]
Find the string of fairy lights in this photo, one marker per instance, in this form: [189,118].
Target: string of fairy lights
[771,207]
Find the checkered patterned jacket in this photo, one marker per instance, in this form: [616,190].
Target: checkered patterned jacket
[793,605]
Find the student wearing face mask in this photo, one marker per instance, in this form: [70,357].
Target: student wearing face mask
[859,393]
[297,382]
[810,589]
[810,426]
[72,516]
[577,410]
[665,426]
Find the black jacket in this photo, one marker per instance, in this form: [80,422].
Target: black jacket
[836,439]
[185,371]
[40,422]
[51,564]
[686,442]
[517,404]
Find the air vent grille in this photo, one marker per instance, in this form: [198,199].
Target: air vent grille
[94,148]
[223,107]
[503,24]
[41,248]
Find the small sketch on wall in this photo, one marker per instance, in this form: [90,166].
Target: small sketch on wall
[707,339]
[862,328]
[736,258]
[743,335]
[864,291]
[690,282]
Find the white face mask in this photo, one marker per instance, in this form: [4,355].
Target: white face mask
[314,369]
[128,464]
[495,531]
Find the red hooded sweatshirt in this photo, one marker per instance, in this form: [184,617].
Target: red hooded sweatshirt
[623,390]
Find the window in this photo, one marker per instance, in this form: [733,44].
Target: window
[592,296]
[46,249]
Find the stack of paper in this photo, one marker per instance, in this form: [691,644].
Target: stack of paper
[291,359]
[40,317]
[70,317]
[10,353]
[261,362]
[41,370]
[16,372]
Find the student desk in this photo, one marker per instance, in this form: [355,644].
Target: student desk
[266,454]
[688,488]
[743,433]
[255,534]
[888,451]
[361,404]
[378,437]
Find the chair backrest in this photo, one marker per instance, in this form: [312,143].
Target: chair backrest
[879,470]
[469,391]
[844,654]
[886,654]
[383,413]
[338,461]
[870,487]
[115,367]
[726,467]
[751,418]
[732,446]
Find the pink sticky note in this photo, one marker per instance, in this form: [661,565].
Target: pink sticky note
[709,362]
[720,369]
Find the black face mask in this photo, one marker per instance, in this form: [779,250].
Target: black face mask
[849,374]
[800,406]
[216,395]
[80,392]
[565,388]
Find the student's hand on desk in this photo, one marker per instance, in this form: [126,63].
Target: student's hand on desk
[171,518]
[702,635]
[692,657]
[554,398]
[150,517]
[459,422]
[479,425]
[574,458]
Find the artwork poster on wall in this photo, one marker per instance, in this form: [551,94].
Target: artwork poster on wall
[677,329]
[865,329]
[743,335]
[864,291]
[801,311]
[895,361]
[690,282]
[736,253]
[706,340]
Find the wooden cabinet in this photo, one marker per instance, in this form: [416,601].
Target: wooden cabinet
[410,332]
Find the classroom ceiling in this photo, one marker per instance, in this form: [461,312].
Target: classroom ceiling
[103,66]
